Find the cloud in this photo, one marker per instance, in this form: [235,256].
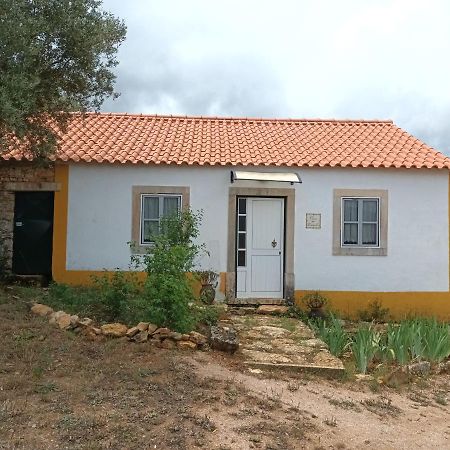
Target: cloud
[347,59]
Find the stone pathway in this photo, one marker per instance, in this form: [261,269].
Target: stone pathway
[282,342]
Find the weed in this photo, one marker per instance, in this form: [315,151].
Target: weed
[332,333]
[441,399]
[381,406]
[287,323]
[374,313]
[45,388]
[344,404]
[364,347]
[330,421]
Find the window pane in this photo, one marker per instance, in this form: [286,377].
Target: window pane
[370,210]
[150,229]
[242,206]
[151,208]
[171,206]
[242,225]
[370,234]
[350,233]
[351,210]
[241,258]
[241,240]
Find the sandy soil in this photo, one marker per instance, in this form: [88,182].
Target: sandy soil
[61,391]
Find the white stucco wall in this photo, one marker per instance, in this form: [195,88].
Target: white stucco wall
[99,223]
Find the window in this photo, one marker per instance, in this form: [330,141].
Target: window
[149,205]
[360,222]
[153,208]
[242,232]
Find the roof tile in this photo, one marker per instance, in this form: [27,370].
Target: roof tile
[152,139]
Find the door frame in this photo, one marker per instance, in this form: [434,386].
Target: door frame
[289,226]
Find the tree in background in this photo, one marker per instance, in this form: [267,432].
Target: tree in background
[56,56]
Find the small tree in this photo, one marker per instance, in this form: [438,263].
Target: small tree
[168,290]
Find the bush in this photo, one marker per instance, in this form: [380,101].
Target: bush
[168,292]
[374,313]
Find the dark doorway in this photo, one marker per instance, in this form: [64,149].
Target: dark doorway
[33,233]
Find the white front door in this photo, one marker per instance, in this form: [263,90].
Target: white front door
[260,241]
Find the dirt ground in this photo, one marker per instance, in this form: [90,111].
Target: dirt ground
[61,391]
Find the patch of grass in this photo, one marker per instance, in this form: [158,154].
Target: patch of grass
[286,323]
[381,406]
[45,388]
[344,404]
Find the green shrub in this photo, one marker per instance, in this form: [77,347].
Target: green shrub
[207,314]
[366,343]
[118,297]
[436,340]
[168,292]
[374,313]
[332,333]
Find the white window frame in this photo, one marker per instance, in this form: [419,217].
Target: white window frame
[360,222]
[160,198]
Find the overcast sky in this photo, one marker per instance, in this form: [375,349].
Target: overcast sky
[385,59]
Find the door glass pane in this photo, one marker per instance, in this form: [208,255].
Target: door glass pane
[241,258]
[241,240]
[370,210]
[369,234]
[150,229]
[151,208]
[171,206]
[242,223]
[351,210]
[350,233]
[242,206]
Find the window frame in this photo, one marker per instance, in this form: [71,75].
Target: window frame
[137,247]
[340,249]
[160,198]
[360,222]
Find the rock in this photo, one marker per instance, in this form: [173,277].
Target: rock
[162,332]
[175,336]
[152,328]
[421,368]
[64,321]
[91,333]
[224,339]
[142,326]
[85,322]
[41,310]
[54,317]
[185,337]
[142,336]
[397,377]
[74,320]
[114,329]
[197,338]
[444,367]
[132,332]
[272,309]
[186,345]
[363,377]
[168,344]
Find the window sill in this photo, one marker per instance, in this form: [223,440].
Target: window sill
[359,251]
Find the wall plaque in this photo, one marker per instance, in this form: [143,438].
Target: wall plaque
[313,220]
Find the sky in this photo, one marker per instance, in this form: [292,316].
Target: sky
[347,59]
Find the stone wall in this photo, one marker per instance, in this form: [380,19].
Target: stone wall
[16,176]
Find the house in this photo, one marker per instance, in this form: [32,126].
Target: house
[356,209]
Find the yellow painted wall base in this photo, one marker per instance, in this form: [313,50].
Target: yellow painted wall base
[400,304]
[86,278]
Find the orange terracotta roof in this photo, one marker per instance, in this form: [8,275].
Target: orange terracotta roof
[151,139]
